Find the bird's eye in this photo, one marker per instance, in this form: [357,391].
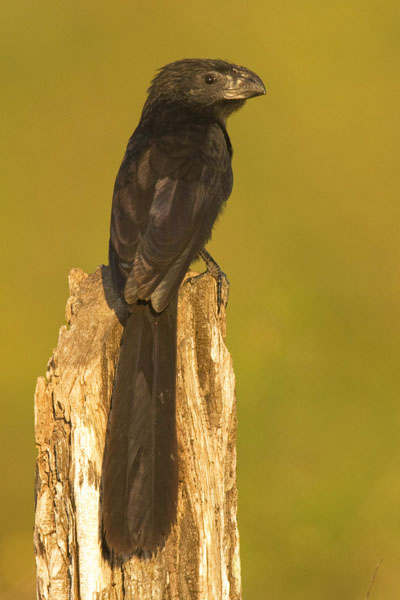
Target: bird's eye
[210,79]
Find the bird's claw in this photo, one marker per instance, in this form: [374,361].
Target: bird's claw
[214,269]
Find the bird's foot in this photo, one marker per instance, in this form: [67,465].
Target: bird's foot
[222,281]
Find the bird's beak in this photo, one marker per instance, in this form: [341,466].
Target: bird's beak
[243,84]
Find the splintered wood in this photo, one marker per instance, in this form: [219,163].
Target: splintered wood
[200,560]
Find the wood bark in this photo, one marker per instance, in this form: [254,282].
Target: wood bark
[200,560]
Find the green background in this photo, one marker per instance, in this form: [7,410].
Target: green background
[309,240]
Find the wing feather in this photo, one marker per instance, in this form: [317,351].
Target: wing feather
[166,201]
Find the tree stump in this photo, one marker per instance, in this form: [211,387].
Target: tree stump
[200,559]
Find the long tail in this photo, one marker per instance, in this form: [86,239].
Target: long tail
[140,472]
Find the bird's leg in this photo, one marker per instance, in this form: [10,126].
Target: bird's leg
[214,269]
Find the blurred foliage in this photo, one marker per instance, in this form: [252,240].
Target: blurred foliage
[310,241]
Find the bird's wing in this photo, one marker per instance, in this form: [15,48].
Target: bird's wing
[165,209]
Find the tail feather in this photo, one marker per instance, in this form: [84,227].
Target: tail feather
[140,475]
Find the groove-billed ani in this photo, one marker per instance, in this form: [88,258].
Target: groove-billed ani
[174,179]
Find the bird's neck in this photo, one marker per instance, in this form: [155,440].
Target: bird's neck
[163,113]
[166,118]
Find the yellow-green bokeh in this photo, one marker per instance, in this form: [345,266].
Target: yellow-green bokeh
[310,241]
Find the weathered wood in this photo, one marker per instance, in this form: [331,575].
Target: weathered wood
[200,560]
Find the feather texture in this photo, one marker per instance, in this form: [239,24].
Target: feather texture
[141,465]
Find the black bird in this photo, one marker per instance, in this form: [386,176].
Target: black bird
[173,181]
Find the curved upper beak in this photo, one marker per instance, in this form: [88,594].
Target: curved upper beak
[243,84]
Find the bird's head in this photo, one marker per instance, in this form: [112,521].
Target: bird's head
[207,86]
